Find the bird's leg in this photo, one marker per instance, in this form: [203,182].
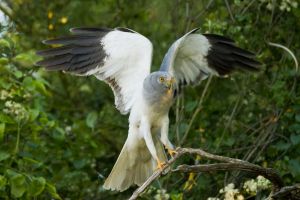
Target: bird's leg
[164,137]
[146,130]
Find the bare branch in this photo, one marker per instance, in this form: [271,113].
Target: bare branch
[268,173]
[228,164]
[288,192]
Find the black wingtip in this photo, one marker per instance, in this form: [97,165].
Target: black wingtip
[125,29]
[218,38]
[37,64]
[194,30]
[89,30]
[225,57]
[40,52]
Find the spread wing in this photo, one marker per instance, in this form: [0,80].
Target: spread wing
[120,57]
[194,57]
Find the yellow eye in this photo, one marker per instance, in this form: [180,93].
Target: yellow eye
[161,79]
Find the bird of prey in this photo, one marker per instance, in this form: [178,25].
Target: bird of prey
[122,58]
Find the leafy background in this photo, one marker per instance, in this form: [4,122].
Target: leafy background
[60,135]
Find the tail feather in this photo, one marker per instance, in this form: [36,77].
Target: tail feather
[134,166]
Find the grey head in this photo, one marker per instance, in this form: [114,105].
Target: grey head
[158,85]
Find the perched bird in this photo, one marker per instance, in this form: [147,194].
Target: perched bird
[122,58]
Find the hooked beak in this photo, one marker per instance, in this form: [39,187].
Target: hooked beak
[169,83]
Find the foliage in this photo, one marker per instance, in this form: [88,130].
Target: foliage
[60,135]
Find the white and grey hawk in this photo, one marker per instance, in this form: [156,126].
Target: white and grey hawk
[122,58]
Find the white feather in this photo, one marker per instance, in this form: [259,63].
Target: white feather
[186,58]
[128,63]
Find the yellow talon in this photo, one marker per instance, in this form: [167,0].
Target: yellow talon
[160,165]
[172,152]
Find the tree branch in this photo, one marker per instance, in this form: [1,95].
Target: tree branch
[268,173]
[288,192]
[227,164]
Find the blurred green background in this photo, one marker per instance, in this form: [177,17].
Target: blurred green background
[60,134]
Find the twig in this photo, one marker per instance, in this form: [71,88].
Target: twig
[228,122]
[228,164]
[287,50]
[204,10]
[247,7]
[199,106]
[229,11]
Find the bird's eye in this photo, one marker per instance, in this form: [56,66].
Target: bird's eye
[161,79]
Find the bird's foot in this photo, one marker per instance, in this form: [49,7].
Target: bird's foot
[160,165]
[172,152]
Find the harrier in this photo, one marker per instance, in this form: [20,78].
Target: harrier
[122,58]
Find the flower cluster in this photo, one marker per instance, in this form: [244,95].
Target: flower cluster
[284,5]
[230,193]
[15,109]
[254,185]
[162,195]
[4,95]
[251,187]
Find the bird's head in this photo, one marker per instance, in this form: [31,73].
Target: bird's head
[159,82]
[164,79]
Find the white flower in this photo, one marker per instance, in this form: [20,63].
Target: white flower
[253,185]
[162,195]
[4,95]
[229,192]
[15,109]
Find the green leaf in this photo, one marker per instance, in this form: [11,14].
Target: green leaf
[190,106]
[18,74]
[295,139]
[33,114]
[229,141]
[4,43]
[2,129]
[282,145]
[18,185]
[52,191]
[91,119]
[59,134]
[26,59]
[4,155]
[10,173]
[28,83]
[36,186]
[178,196]
[294,166]
[297,117]
[40,86]
[295,128]
[3,182]
[6,119]
[3,61]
